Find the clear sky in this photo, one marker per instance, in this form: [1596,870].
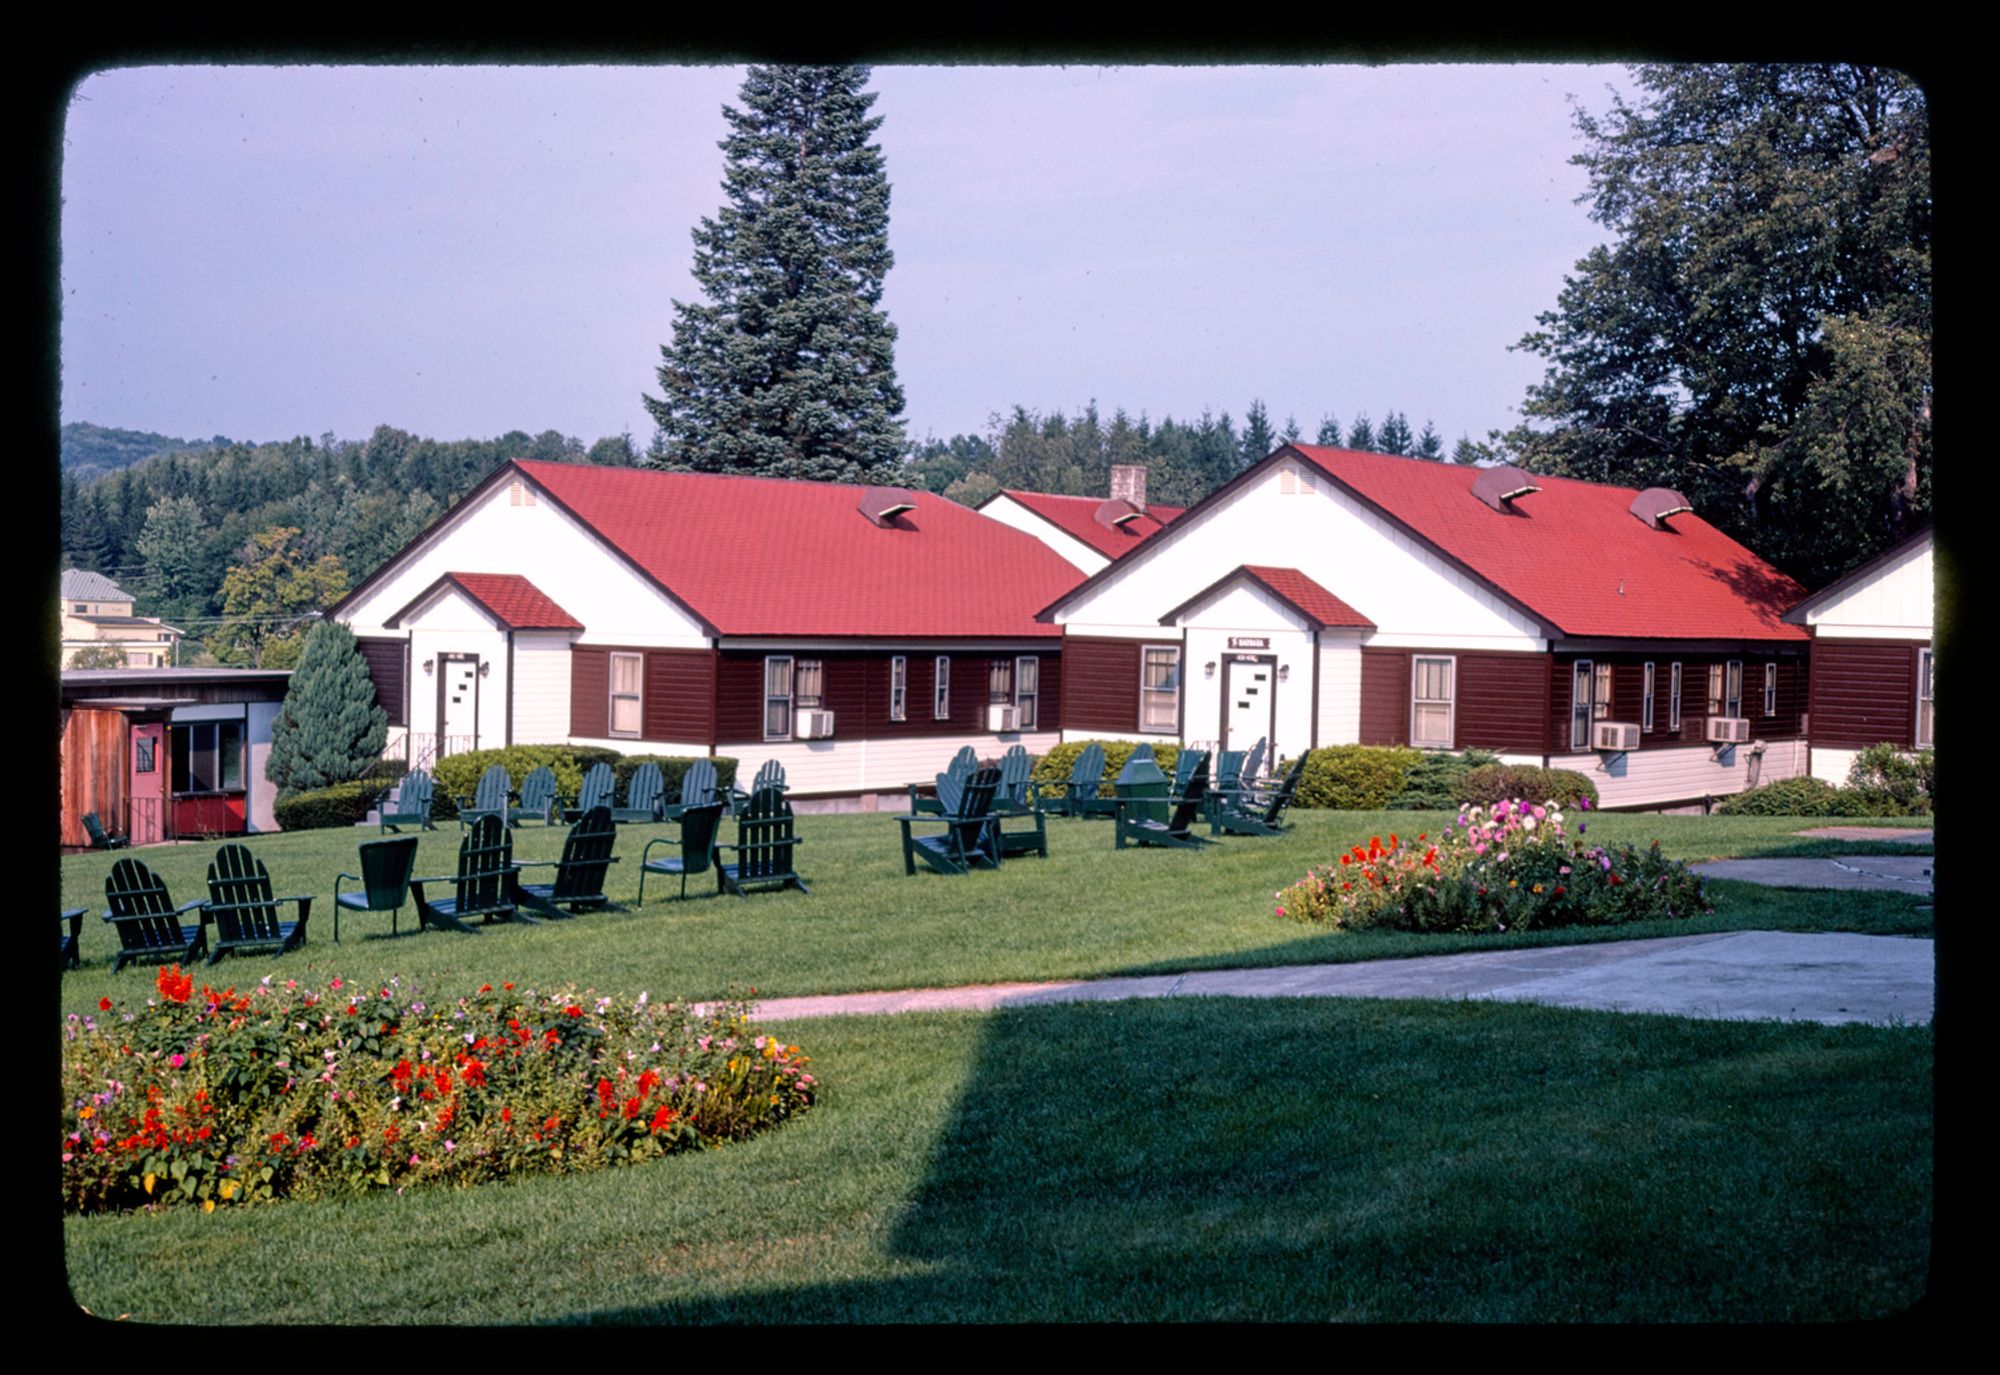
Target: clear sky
[461,251]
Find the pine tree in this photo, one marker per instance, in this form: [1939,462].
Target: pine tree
[1258,437]
[1430,444]
[331,728]
[1362,436]
[1329,430]
[789,368]
[1292,432]
[1395,435]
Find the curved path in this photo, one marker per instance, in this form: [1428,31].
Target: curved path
[1832,977]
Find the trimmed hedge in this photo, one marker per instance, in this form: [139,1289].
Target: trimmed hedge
[343,804]
[1805,796]
[673,767]
[457,775]
[1432,781]
[1054,766]
[1354,778]
[1491,783]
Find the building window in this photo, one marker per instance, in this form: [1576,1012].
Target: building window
[1431,702]
[1028,689]
[142,754]
[627,675]
[899,688]
[1924,697]
[1583,680]
[1646,698]
[1160,688]
[82,608]
[1000,682]
[810,685]
[941,689]
[778,698]
[207,757]
[1770,689]
[1674,698]
[1733,688]
[1715,689]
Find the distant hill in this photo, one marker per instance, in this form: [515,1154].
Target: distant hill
[90,451]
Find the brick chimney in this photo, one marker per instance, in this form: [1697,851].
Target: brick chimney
[1128,483]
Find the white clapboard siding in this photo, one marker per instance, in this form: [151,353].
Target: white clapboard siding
[541,689]
[856,766]
[1642,778]
[1010,512]
[1893,602]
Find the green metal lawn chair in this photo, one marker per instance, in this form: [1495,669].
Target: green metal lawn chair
[600,785]
[1260,810]
[1066,798]
[771,775]
[245,914]
[148,923]
[765,839]
[100,839]
[962,766]
[538,798]
[969,826]
[408,803]
[1145,818]
[72,929]
[579,881]
[645,795]
[483,887]
[496,785]
[698,789]
[696,843]
[386,866]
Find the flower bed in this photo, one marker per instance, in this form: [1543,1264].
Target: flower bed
[222,1098]
[1510,867]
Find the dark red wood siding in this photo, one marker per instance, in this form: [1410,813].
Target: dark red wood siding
[1103,684]
[1385,696]
[679,692]
[1864,692]
[589,691]
[388,667]
[1502,700]
[95,775]
[1628,678]
[856,690]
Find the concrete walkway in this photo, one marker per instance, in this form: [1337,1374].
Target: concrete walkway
[1900,873]
[1832,978]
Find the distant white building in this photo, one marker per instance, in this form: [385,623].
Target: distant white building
[1090,532]
[97,614]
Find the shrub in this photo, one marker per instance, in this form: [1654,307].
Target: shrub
[1430,784]
[331,728]
[1802,796]
[1491,783]
[223,1098]
[343,804]
[457,775]
[1516,866]
[1054,766]
[1355,778]
[1892,782]
[672,768]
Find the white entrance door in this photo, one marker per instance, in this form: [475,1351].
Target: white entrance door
[458,713]
[1249,692]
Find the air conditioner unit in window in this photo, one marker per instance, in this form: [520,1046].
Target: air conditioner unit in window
[1728,730]
[1614,735]
[1000,717]
[815,725]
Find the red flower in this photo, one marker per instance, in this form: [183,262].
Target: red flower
[604,1092]
[662,1119]
[1615,880]
[1560,890]
[631,1108]
[175,986]
[488,988]
[506,1114]
[573,1010]
[103,1004]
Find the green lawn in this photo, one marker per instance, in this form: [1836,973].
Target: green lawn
[1087,911]
[1195,1159]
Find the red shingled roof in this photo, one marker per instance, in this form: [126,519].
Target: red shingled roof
[508,597]
[1574,556]
[764,556]
[1290,586]
[1077,516]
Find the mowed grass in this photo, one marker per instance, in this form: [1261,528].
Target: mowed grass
[1198,1159]
[1089,910]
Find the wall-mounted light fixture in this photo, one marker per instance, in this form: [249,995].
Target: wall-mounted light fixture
[485,667]
[430,666]
[1284,672]
[1208,669]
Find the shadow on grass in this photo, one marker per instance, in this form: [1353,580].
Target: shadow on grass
[1215,1159]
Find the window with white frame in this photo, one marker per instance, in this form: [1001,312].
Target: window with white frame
[1924,699]
[1770,689]
[1732,691]
[1585,680]
[1674,697]
[1000,682]
[809,685]
[1715,690]
[941,688]
[1160,688]
[1646,697]
[627,681]
[1432,693]
[1028,689]
[778,697]
[899,688]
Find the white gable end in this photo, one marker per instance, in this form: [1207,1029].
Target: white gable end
[1895,601]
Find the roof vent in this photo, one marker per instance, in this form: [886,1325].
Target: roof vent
[1116,513]
[1501,486]
[1655,504]
[883,504]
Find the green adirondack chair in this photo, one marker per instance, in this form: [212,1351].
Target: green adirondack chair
[72,929]
[245,914]
[101,839]
[1185,764]
[1015,769]
[968,821]
[1253,764]
[600,784]
[1014,799]
[695,843]
[1260,811]
[1142,757]
[538,798]
[1066,798]
[925,801]
[1148,820]
[645,795]
[483,887]
[149,925]
[407,804]
[386,866]
[698,789]
[579,882]
[771,775]
[765,839]
[496,785]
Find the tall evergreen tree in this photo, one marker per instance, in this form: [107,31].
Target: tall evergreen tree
[331,728]
[1258,436]
[789,368]
[1329,430]
[1362,436]
[1430,444]
[1395,435]
[1292,432]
